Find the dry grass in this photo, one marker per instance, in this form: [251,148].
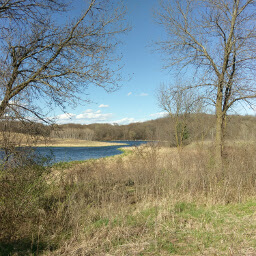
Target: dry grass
[76,143]
[153,201]
[20,139]
[160,201]
[166,227]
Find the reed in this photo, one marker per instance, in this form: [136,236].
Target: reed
[153,201]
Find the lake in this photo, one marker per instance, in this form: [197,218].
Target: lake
[65,154]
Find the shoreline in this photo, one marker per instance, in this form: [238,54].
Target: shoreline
[79,143]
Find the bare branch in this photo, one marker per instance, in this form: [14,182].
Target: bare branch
[56,59]
[216,41]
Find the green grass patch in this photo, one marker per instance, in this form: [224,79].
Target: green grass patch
[66,165]
[193,229]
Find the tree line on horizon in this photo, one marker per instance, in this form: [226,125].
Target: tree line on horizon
[199,127]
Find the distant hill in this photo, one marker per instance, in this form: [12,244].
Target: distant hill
[199,127]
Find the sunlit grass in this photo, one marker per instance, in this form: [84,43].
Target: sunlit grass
[76,143]
[20,139]
[167,227]
[148,201]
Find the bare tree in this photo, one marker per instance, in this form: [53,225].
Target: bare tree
[43,59]
[24,9]
[67,132]
[216,39]
[179,104]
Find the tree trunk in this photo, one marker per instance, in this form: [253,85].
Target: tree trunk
[176,133]
[218,142]
[219,131]
[3,107]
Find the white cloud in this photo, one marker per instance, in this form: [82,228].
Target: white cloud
[129,93]
[159,114]
[88,111]
[103,106]
[95,116]
[88,116]
[65,116]
[143,94]
[125,120]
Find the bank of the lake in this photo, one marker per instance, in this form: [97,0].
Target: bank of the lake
[76,143]
[23,140]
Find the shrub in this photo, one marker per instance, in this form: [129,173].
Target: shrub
[23,187]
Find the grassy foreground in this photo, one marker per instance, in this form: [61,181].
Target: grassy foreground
[151,201]
[168,227]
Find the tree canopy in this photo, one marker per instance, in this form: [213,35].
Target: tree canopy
[48,57]
[216,40]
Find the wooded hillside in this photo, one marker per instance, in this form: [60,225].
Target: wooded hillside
[199,127]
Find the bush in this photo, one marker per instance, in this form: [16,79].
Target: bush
[23,188]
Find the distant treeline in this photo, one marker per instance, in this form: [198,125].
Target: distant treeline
[198,127]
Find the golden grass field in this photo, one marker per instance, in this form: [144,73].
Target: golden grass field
[76,143]
[150,200]
[163,201]
[19,139]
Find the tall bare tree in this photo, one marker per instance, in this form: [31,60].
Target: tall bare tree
[45,56]
[179,104]
[216,40]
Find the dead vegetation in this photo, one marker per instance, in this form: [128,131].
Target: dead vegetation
[128,204]
[20,139]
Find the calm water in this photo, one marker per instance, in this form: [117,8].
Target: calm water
[59,154]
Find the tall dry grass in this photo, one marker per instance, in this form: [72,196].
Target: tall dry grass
[156,172]
[85,193]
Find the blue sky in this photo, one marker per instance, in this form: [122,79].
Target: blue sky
[136,100]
